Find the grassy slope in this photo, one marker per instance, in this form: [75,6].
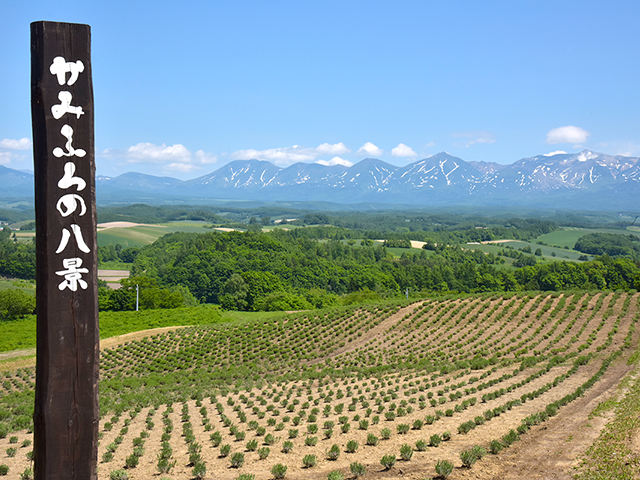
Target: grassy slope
[568,236]
[21,334]
[24,285]
[144,235]
[612,455]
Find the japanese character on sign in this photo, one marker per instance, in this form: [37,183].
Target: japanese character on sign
[65,106]
[67,132]
[78,236]
[72,275]
[68,180]
[60,67]
[69,203]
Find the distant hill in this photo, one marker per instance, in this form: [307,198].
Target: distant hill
[584,180]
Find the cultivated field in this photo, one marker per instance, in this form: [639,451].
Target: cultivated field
[482,384]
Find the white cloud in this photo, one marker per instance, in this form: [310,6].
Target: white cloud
[430,144]
[557,152]
[403,150]
[285,156]
[568,134]
[205,158]
[335,149]
[148,152]
[370,149]
[10,144]
[171,159]
[5,158]
[335,161]
[473,138]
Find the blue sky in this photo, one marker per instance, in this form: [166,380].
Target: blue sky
[182,88]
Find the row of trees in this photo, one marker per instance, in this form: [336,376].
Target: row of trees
[259,271]
[611,244]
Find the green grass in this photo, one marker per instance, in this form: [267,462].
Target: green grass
[547,251]
[611,456]
[24,285]
[146,234]
[568,236]
[115,266]
[20,334]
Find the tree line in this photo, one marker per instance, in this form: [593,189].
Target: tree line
[254,271]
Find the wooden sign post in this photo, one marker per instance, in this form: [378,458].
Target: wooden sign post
[66,403]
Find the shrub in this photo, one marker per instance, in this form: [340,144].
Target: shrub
[269,439]
[372,440]
[510,438]
[406,452]
[263,453]
[333,453]
[495,446]
[164,465]
[388,461]
[335,475]
[246,476]
[118,475]
[311,441]
[199,470]
[402,428]
[357,469]
[446,436]
[435,440]
[444,468]
[216,439]
[11,452]
[225,450]
[279,471]
[287,446]
[385,433]
[309,461]
[252,445]
[237,460]
[27,474]
[4,469]
[468,458]
[478,451]
[132,461]
[352,446]
[293,432]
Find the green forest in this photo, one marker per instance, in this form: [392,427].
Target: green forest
[318,260]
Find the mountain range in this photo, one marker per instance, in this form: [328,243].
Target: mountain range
[584,180]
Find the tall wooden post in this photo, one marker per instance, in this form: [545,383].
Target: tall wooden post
[66,404]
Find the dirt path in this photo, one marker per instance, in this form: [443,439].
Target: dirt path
[26,357]
[551,450]
[375,332]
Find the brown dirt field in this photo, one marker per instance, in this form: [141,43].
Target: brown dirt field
[547,451]
[550,451]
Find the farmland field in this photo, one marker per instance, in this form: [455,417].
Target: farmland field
[140,235]
[566,236]
[350,388]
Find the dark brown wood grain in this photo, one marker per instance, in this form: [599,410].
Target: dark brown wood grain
[66,402]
